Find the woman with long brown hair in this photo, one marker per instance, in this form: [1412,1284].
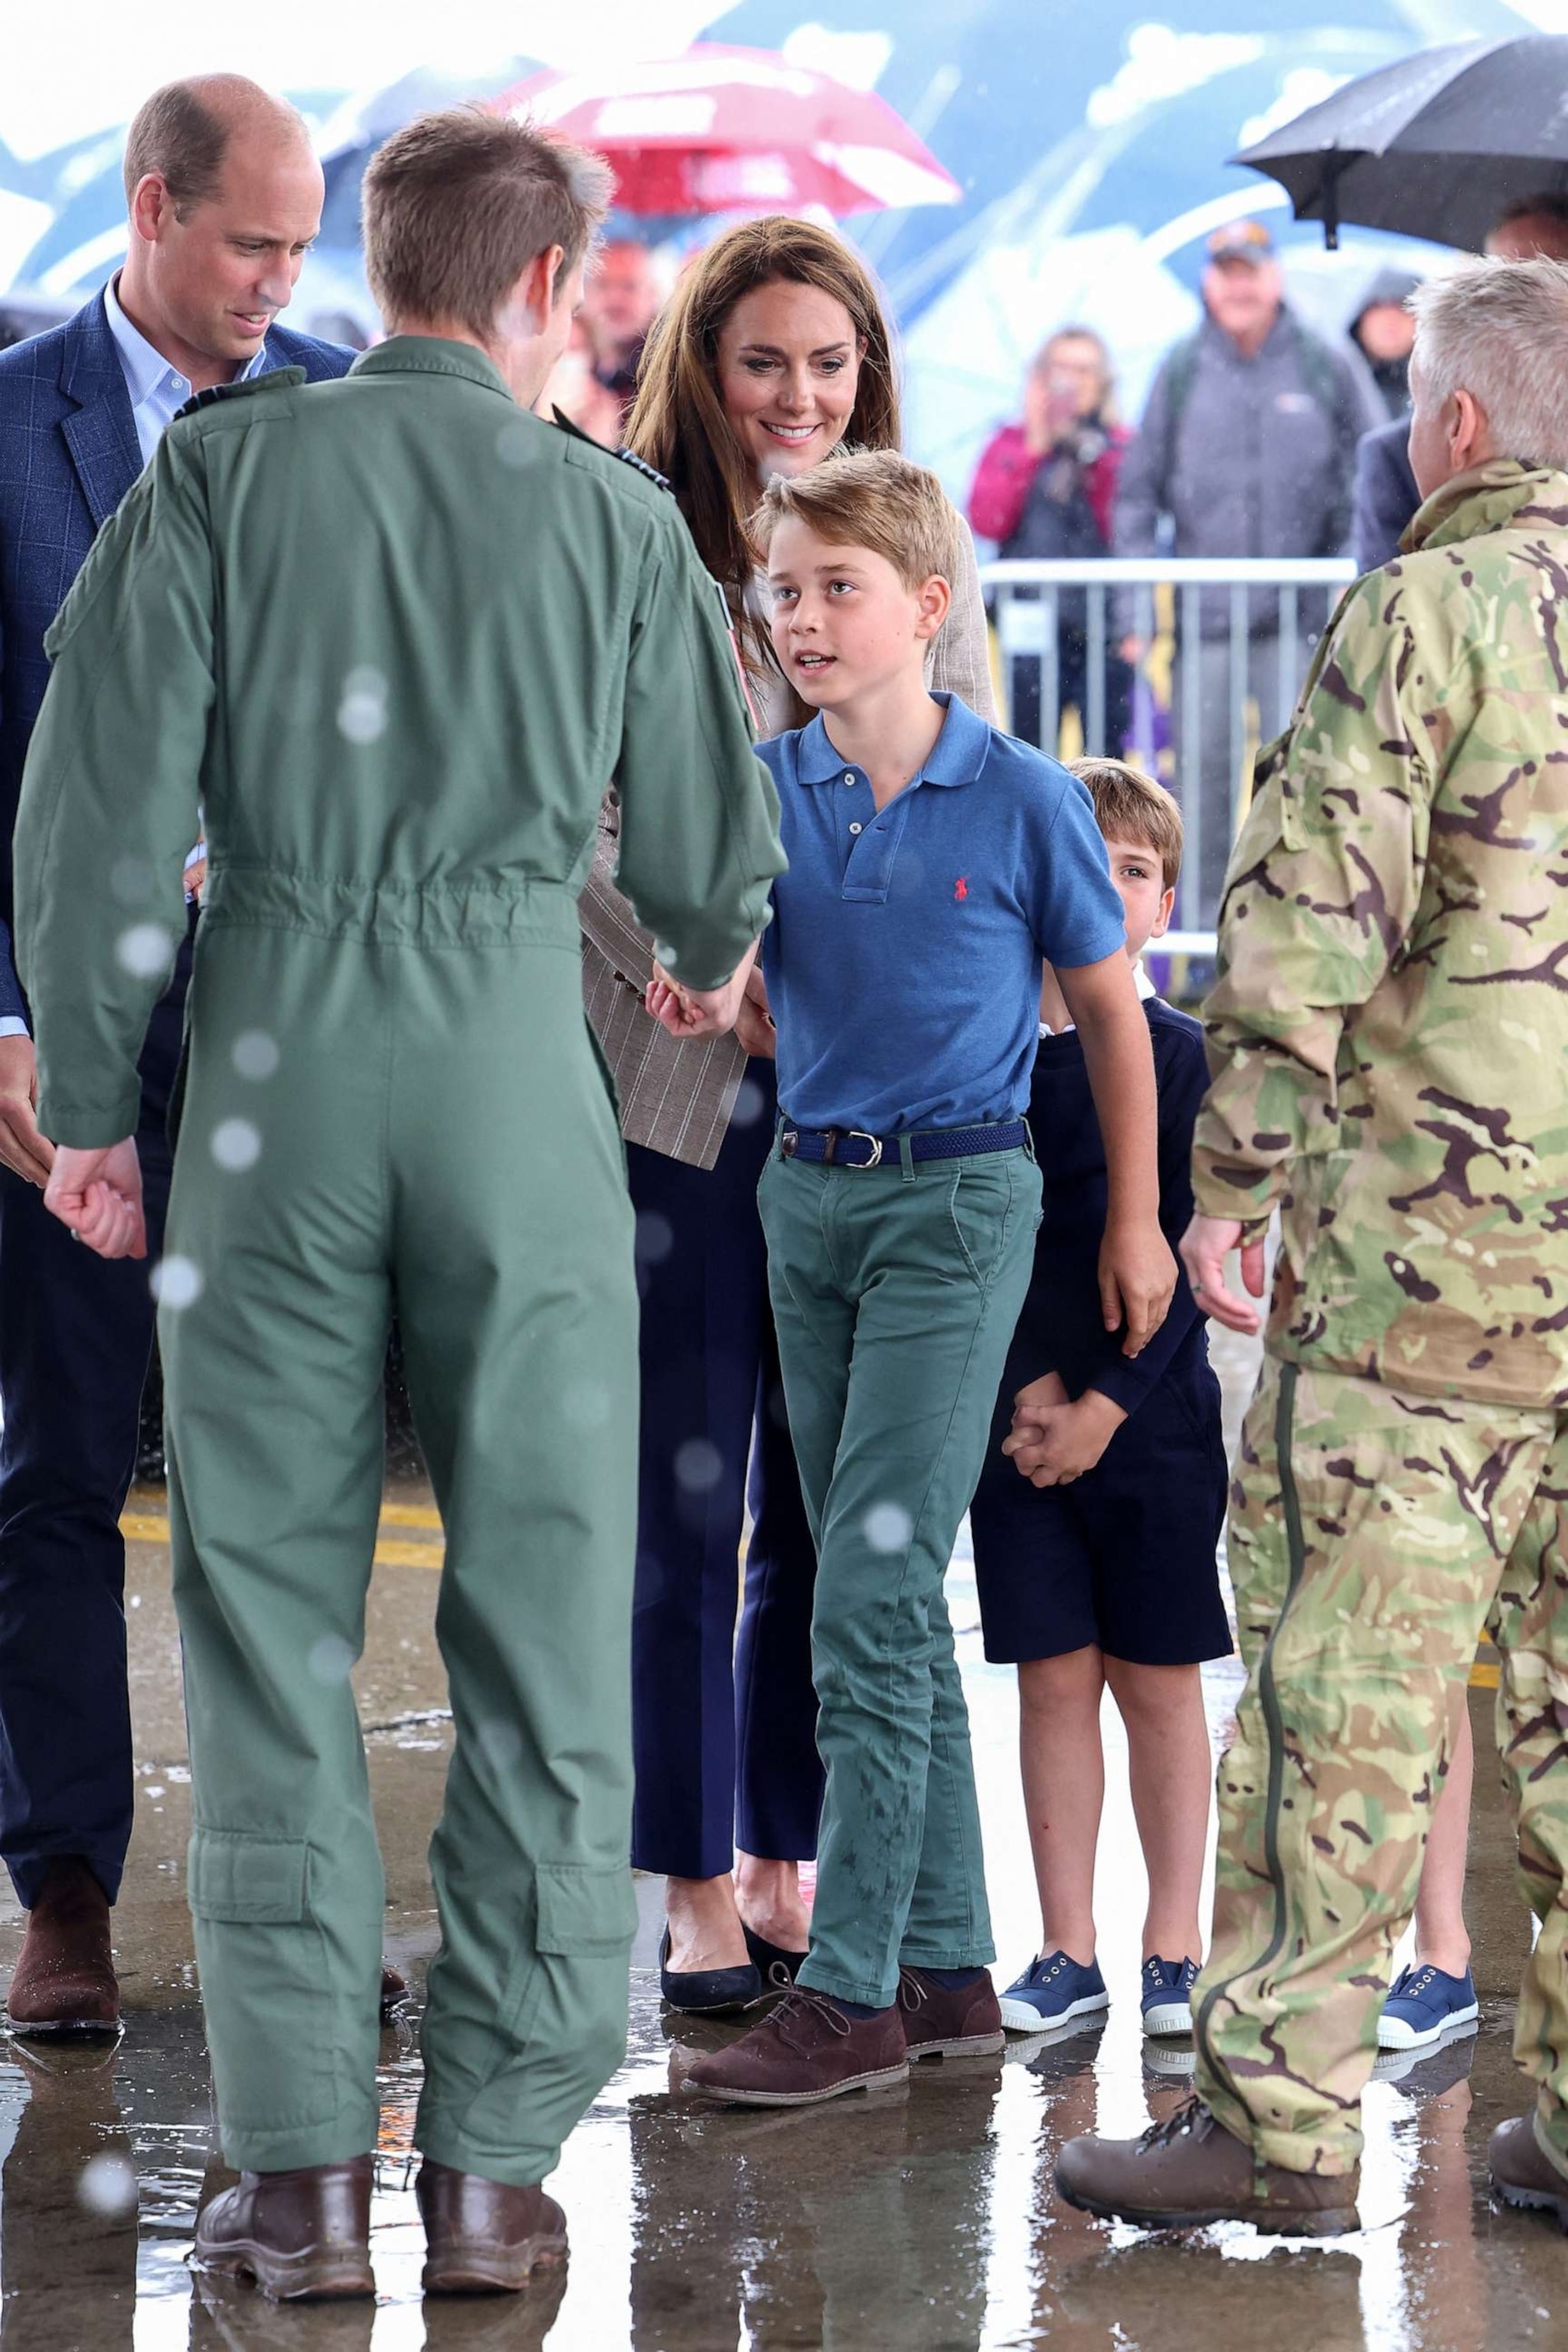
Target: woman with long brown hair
[772,352]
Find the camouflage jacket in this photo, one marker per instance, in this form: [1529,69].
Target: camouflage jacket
[1388,1033]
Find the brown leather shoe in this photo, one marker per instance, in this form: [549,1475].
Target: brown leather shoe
[940,2022]
[300,2235]
[1523,2174]
[1189,2171]
[393,1985]
[484,2237]
[64,1981]
[805,2049]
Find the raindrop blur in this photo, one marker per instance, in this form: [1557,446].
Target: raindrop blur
[888,1526]
[749,1104]
[254,1054]
[144,949]
[362,713]
[699,1465]
[665,954]
[131,881]
[175,1281]
[236,1144]
[107,2185]
[655,1237]
[330,1659]
[501,1743]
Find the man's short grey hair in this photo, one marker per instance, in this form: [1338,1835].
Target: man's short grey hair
[1498,331]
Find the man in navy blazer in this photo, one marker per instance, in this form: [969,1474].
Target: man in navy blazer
[225,196]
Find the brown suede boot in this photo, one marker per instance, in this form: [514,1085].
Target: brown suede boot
[64,1981]
[302,2235]
[483,2236]
[940,2022]
[1189,2171]
[393,1985]
[805,2049]
[1523,2174]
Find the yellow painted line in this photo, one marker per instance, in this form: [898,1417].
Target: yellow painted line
[409,1515]
[1483,1677]
[144,1527]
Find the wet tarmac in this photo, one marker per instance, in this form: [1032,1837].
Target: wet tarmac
[920,2221]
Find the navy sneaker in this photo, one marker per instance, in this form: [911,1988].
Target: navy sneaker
[1167,1995]
[1052,1989]
[1424,2005]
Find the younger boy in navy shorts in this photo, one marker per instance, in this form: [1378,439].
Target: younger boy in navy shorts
[1099,1514]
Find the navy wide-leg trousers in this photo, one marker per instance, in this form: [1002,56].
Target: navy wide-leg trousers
[723,1726]
[76,1334]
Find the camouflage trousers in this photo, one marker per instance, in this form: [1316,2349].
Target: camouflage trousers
[1372,1531]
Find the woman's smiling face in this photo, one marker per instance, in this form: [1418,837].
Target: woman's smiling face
[789,367]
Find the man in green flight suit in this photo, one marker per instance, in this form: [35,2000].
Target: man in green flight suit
[396,642]
[1388,1037]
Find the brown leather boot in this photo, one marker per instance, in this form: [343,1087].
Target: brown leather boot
[484,2236]
[1523,2174]
[1189,2171]
[300,2235]
[805,2049]
[64,1981]
[941,2022]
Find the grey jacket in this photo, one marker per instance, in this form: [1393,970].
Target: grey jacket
[677,1098]
[1259,461]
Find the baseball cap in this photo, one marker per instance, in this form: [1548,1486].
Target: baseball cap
[1242,240]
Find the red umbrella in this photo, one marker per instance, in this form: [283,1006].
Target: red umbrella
[730,129]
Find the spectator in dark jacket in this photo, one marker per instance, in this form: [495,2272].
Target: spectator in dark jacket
[1046,487]
[1383,332]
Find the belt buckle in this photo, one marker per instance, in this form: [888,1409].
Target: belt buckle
[789,1143]
[859,1135]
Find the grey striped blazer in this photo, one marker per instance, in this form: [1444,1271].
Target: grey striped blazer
[678,1098]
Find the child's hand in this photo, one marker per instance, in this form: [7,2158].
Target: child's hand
[1137,1278]
[1052,1444]
[696,1011]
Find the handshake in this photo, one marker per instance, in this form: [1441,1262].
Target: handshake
[742,1004]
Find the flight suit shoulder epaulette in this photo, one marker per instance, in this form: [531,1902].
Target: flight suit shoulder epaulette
[628,457]
[254,387]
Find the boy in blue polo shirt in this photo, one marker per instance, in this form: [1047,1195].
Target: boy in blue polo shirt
[933,864]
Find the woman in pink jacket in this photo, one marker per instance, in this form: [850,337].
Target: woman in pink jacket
[1046,487]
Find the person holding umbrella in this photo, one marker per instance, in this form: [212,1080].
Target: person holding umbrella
[772,353]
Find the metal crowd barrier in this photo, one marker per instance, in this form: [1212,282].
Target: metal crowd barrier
[1222,646]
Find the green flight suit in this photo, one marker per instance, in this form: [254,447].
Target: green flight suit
[396,636]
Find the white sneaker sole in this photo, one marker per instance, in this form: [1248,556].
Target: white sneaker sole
[1393,2033]
[1018,2017]
[1169,2017]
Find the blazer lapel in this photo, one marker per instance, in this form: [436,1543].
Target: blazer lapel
[102,433]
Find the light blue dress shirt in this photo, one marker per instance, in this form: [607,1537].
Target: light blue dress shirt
[158,393]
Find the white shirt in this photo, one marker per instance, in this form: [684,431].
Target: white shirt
[158,391]
[1141,980]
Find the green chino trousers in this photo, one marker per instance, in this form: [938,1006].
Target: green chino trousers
[394,1100]
[895,1291]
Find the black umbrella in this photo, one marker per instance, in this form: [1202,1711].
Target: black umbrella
[1436,146]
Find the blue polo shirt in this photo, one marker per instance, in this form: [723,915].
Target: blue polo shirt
[903,959]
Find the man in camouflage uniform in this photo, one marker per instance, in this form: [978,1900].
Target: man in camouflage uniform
[1388,1038]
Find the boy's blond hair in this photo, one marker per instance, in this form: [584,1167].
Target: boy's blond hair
[1131,806]
[872,499]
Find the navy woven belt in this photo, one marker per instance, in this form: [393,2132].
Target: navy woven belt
[850,1147]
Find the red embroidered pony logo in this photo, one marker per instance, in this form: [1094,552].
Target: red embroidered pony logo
[961,888]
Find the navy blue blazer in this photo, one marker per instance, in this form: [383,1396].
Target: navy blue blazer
[68,453]
[1385,495]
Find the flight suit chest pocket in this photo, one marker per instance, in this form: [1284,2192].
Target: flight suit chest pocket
[585,1907]
[247,1880]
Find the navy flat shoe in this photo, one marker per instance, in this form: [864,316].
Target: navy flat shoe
[707,1992]
[777,1968]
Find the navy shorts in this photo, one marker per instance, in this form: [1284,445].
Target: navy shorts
[1124,1557]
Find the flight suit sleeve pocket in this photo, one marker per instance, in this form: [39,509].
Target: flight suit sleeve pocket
[247,1880]
[585,1907]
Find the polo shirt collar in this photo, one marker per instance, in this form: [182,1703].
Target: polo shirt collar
[431,355]
[956,757]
